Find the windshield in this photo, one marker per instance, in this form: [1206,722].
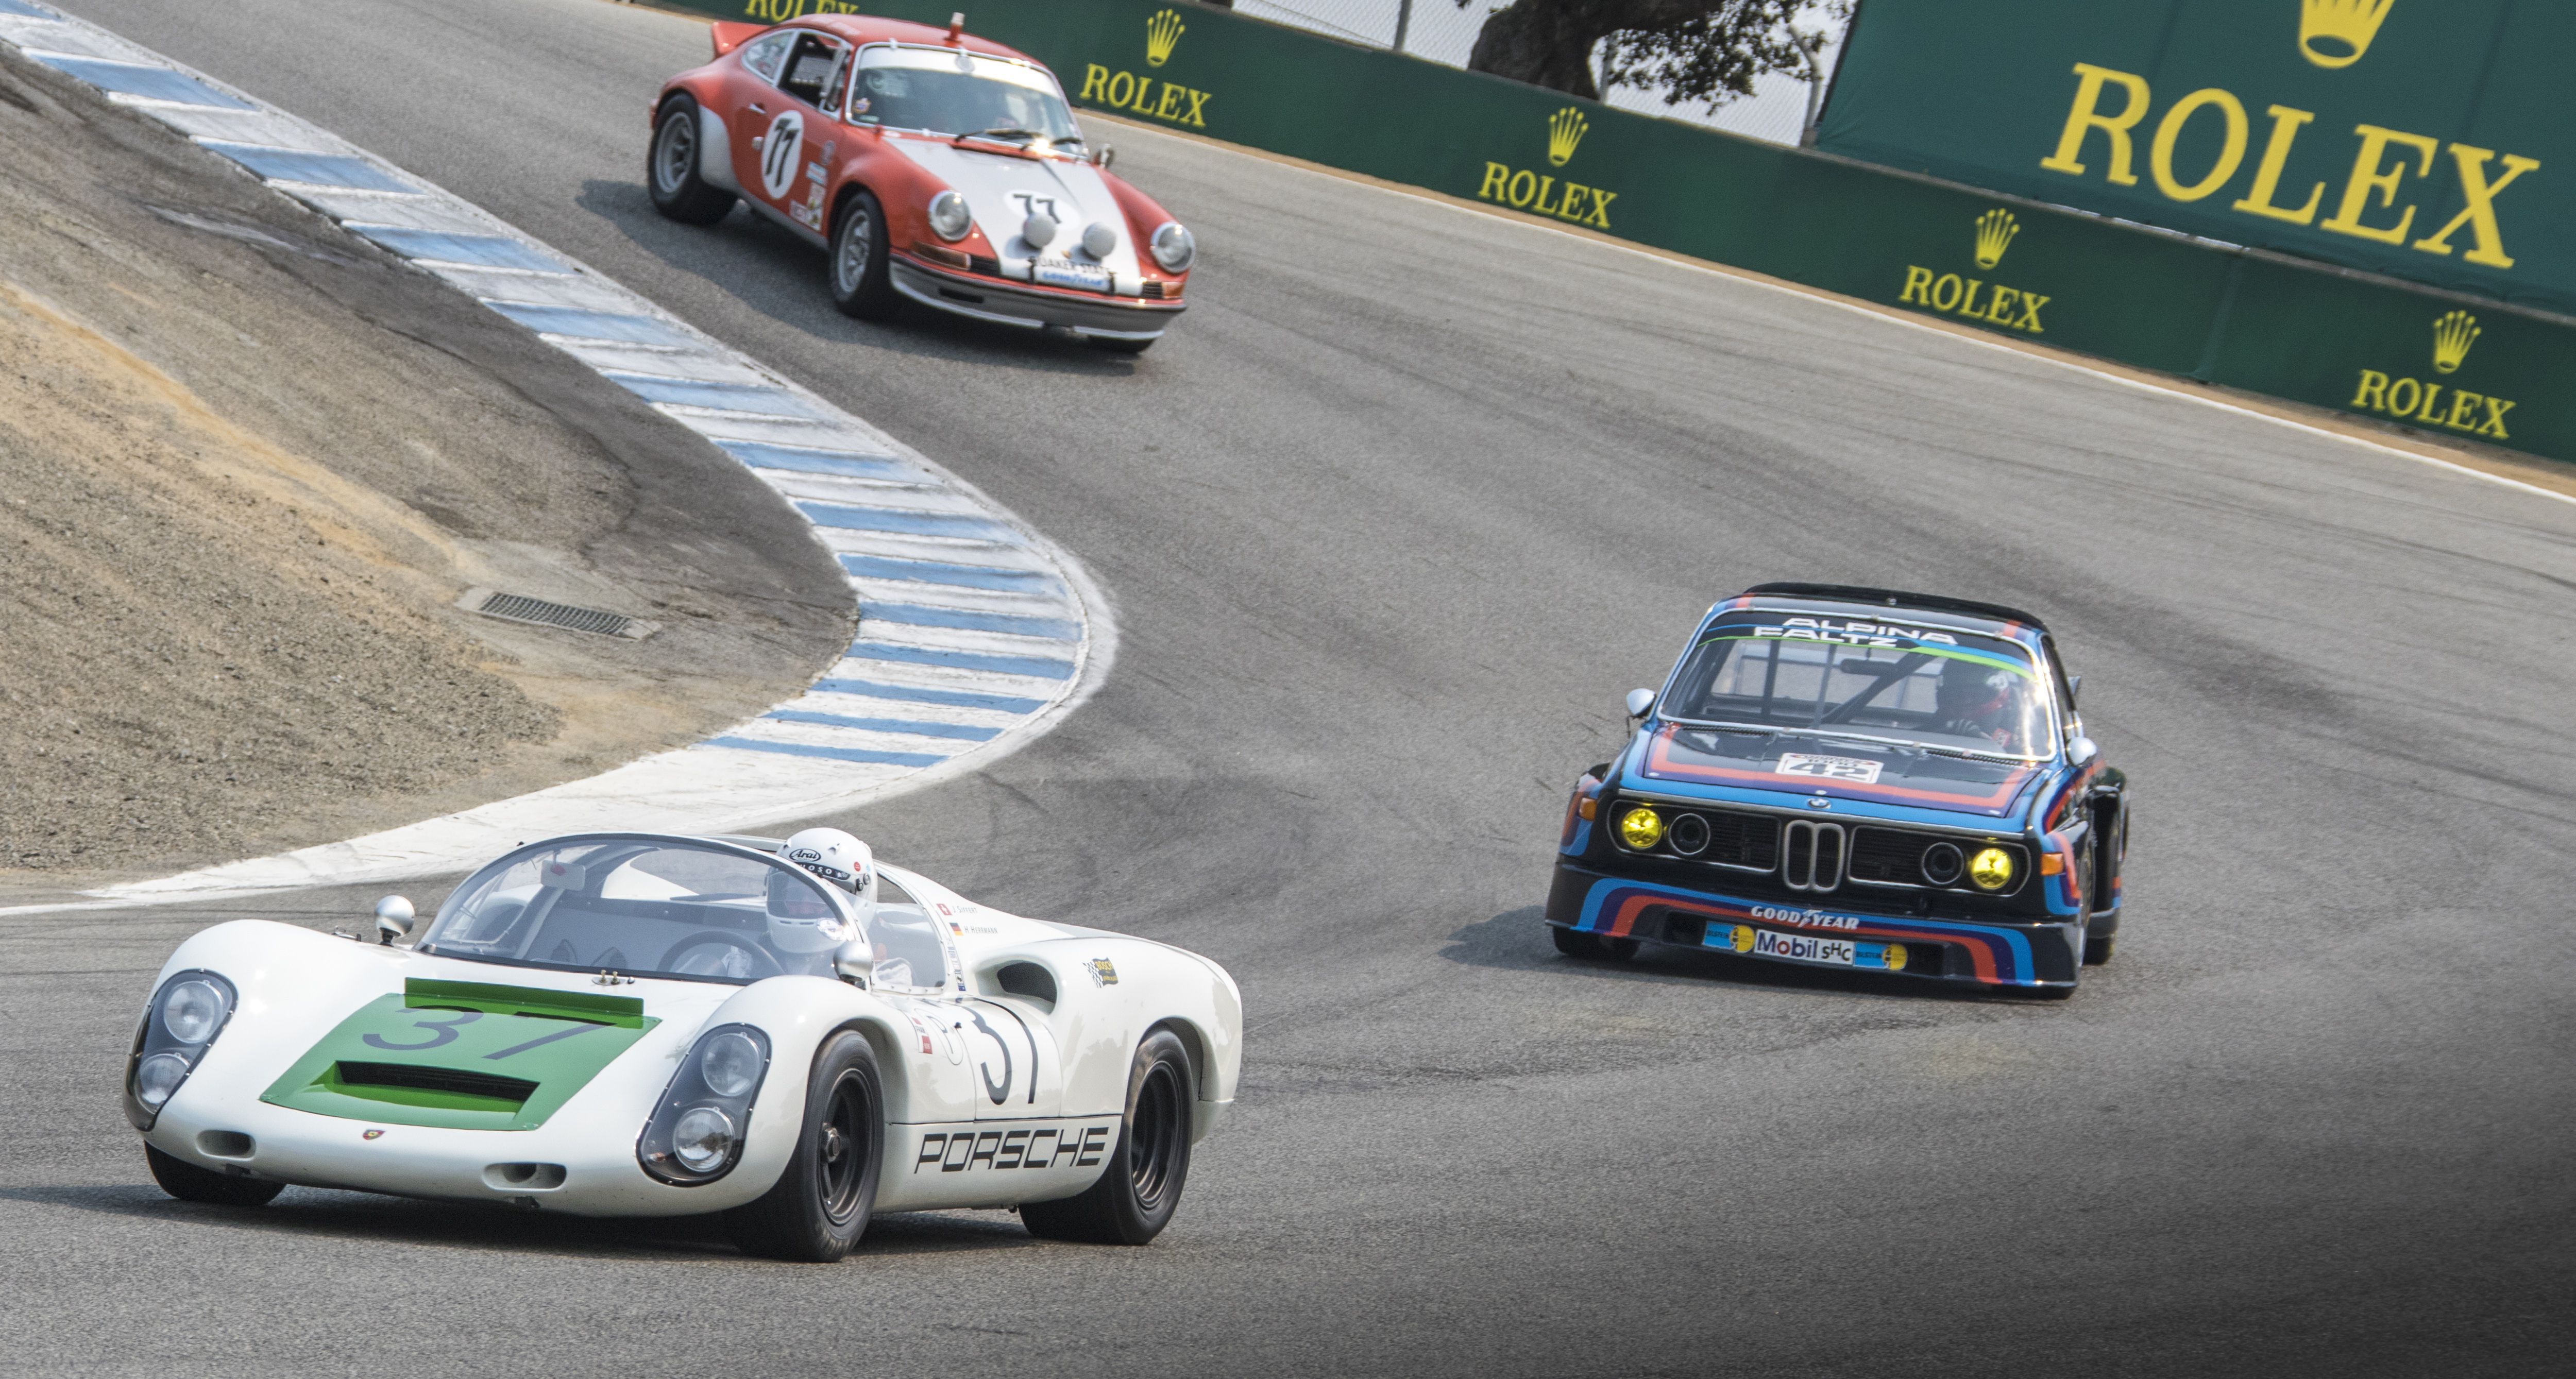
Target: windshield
[956,93]
[1954,691]
[646,908]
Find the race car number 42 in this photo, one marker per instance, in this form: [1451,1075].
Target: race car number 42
[1857,770]
[1067,273]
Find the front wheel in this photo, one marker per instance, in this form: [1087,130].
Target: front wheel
[862,285]
[820,1206]
[1138,1192]
[671,173]
[1575,943]
[2098,947]
[189,1183]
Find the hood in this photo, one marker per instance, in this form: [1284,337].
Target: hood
[1002,187]
[1840,769]
[470,1055]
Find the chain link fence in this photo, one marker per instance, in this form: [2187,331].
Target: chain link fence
[1443,31]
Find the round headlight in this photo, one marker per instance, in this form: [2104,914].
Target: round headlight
[1100,239]
[191,1012]
[1641,828]
[1039,229]
[1991,869]
[703,1139]
[950,216]
[730,1065]
[1941,864]
[159,1076]
[1174,248]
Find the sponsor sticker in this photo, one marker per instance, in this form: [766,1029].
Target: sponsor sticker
[1103,972]
[1073,1146]
[1066,273]
[1831,952]
[1853,770]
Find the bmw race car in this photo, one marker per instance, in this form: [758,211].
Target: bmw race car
[1854,778]
[931,166]
[617,1024]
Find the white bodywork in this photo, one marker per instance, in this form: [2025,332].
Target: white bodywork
[1061,1069]
[1003,189]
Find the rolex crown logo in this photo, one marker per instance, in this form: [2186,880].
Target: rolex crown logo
[2335,33]
[1162,33]
[2452,336]
[1564,132]
[1995,231]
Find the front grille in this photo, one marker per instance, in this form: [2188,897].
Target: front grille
[1722,836]
[1160,291]
[1812,855]
[1924,861]
[457,1081]
[1889,857]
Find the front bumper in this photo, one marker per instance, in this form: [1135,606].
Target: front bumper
[1015,304]
[1943,948]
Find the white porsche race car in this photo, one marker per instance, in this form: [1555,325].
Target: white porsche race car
[618,1024]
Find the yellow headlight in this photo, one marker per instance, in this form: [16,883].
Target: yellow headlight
[1991,869]
[1641,828]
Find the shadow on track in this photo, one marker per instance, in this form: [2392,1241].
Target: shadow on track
[1516,940]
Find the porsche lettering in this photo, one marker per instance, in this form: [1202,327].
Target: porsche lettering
[964,1150]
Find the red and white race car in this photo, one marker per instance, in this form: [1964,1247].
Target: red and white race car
[930,165]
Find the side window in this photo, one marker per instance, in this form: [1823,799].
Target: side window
[767,54]
[812,70]
[2065,692]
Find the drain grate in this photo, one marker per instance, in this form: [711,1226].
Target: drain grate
[492,603]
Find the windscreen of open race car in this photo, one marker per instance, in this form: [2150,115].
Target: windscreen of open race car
[642,908]
[1880,681]
[955,93]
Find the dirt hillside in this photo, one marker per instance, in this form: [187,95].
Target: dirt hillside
[247,464]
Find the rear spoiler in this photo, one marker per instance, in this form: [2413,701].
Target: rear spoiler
[728,36]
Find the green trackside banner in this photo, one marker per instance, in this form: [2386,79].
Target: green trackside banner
[2426,139]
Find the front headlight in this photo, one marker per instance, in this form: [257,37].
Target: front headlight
[950,216]
[1641,828]
[1991,869]
[696,1133]
[1173,247]
[179,1026]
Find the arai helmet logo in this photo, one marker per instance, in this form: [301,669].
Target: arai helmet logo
[804,855]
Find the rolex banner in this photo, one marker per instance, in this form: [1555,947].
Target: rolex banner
[2426,139]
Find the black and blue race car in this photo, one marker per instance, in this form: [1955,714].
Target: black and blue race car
[1854,778]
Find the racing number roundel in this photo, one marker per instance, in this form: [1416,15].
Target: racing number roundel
[780,154]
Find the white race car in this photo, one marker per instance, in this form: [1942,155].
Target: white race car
[618,1024]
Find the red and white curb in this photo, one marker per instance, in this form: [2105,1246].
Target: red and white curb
[976,633]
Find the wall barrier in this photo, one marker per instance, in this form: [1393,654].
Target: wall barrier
[2443,363]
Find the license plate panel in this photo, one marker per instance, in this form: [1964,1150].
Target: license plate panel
[1824,950]
[1090,277]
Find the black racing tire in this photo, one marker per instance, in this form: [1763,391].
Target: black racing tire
[2099,947]
[1575,943]
[1111,345]
[1141,1186]
[858,267]
[189,1183]
[820,1205]
[671,169]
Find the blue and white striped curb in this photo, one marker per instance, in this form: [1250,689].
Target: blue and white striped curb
[975,633]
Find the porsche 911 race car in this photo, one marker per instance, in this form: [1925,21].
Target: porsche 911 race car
[931,166]
[1854,778]
[645,1025]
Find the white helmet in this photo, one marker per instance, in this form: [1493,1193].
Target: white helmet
[835,856]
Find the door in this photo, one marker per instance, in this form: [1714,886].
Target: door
[787,132]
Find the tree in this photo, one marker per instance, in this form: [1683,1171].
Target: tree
[1692,50]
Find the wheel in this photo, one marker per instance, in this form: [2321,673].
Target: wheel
[1575,943]
[1137,1192]
[189,1183]
[671,170]
[2098,947]
[860,285]
[820,1205]
[1110,345]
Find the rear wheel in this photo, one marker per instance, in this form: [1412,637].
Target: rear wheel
[862,285]
[671,172]
[1138,1192]
[1575,943]
[189,1183]
[820,1206]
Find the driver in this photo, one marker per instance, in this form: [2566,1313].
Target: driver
[1975,700]
[842,860]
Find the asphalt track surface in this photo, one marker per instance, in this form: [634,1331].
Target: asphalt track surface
[1406,502]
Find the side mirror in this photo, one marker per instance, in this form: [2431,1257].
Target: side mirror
[1105,156]
[2081,752]
[1640,702]
[2074,687]
[393,918]
[855,962]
